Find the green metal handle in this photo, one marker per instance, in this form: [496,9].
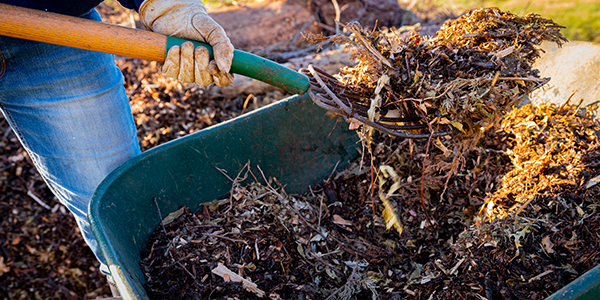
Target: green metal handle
[256,67]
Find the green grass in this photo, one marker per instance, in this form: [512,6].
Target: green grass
[582,18]
[221,3]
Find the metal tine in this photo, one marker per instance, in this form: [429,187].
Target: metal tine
[362,110]
[345,103]
[354,99]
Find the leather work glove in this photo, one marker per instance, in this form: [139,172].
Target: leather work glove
[188,19]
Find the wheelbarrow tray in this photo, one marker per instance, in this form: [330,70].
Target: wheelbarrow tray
[292,140]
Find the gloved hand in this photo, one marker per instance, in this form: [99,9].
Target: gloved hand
[188,19]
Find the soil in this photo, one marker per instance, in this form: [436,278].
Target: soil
[254,26]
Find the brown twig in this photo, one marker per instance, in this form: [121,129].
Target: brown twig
[225,238]
[159,215]
[325,263]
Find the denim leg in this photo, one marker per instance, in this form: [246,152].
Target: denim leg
[69,109]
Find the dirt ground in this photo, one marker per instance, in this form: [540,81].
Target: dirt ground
[42,254]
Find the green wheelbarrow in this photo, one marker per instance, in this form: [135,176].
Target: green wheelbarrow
[291,140]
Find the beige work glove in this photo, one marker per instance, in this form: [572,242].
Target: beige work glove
[188,19]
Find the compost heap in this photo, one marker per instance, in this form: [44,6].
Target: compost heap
[499,213]
[472,72]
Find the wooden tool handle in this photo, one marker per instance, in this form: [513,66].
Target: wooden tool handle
[81,33]
[41,26]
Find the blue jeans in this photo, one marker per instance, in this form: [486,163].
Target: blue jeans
[69,109]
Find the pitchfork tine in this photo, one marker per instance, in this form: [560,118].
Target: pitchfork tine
[348,106]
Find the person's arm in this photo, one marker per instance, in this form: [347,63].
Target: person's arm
[188,19]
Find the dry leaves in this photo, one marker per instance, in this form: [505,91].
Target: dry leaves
[3,267]
[230,276]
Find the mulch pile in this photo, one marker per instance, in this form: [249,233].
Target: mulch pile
[471,72]
[331,244]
